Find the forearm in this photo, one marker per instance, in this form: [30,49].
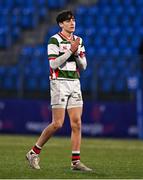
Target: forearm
[54,64]
[81,62]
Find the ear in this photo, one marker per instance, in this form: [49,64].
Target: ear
[61,25]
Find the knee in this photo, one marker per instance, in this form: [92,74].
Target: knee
[57,125]
[76,124]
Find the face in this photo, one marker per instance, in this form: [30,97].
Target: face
[68,25]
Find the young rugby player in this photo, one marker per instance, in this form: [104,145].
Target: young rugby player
[66,55]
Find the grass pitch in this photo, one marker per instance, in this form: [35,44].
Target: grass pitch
[108,158]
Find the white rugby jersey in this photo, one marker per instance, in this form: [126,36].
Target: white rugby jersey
[57,46]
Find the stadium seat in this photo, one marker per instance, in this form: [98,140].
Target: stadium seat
[6,4]
[111,33]
[106,85]
[44,83]
[120,85]
[5,37]
[81,11]
[93,11]
[56,4]
[31,83]
[29,19]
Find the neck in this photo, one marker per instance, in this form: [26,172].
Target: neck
[68,35]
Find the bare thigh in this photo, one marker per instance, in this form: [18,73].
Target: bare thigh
[75,115]
[58,115]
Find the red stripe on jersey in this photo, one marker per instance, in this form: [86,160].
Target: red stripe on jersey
[57,72]
[82,54]
[65,37]
[51,58]
[54,73]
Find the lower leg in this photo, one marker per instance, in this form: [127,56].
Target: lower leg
[75,121]
[44,137]
[58,115]
[76,142]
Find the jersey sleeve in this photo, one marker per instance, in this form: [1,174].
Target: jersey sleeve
[53,48]
[82,48]
[81,58]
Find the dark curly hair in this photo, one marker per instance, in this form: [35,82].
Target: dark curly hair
[64,15]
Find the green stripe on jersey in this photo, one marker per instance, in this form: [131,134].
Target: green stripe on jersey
[68,74]
[52,55]
[65,42]
[53,40]
[82,44]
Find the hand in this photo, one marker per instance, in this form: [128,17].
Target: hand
[74,45]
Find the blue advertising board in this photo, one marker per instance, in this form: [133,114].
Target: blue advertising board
[99,119]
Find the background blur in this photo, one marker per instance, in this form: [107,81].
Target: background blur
[112,31]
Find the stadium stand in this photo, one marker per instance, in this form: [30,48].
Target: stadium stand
[111,31]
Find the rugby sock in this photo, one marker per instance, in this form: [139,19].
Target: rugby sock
[75,157]
[36,149]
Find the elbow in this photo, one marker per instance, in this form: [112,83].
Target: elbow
[83,66]
[53,65]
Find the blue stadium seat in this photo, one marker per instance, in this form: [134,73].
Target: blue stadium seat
[31,83]
[91,53]
[5,37]
[16,16]
[130,11]
[29,19]
[113,21]
[2,75]
[113,30]
[103,51]
[80,31]
[40,50]
[139,3]
[126,20]
[6,4]
[123,42]
[115,3]
[93,11]
[43,8]
[15,24]
[28,3]
[56,4]
[10,78]
[100,21]
[101,72]
[24,3]
[104,31]
[120,84]
[81,11]
[27,50]
[44,83]
[42,3]
[106,85]
[51,32]
[88,21]
[16,33]
[90,32]
[121,63]
[8,83]
[115,51]
[118,10]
